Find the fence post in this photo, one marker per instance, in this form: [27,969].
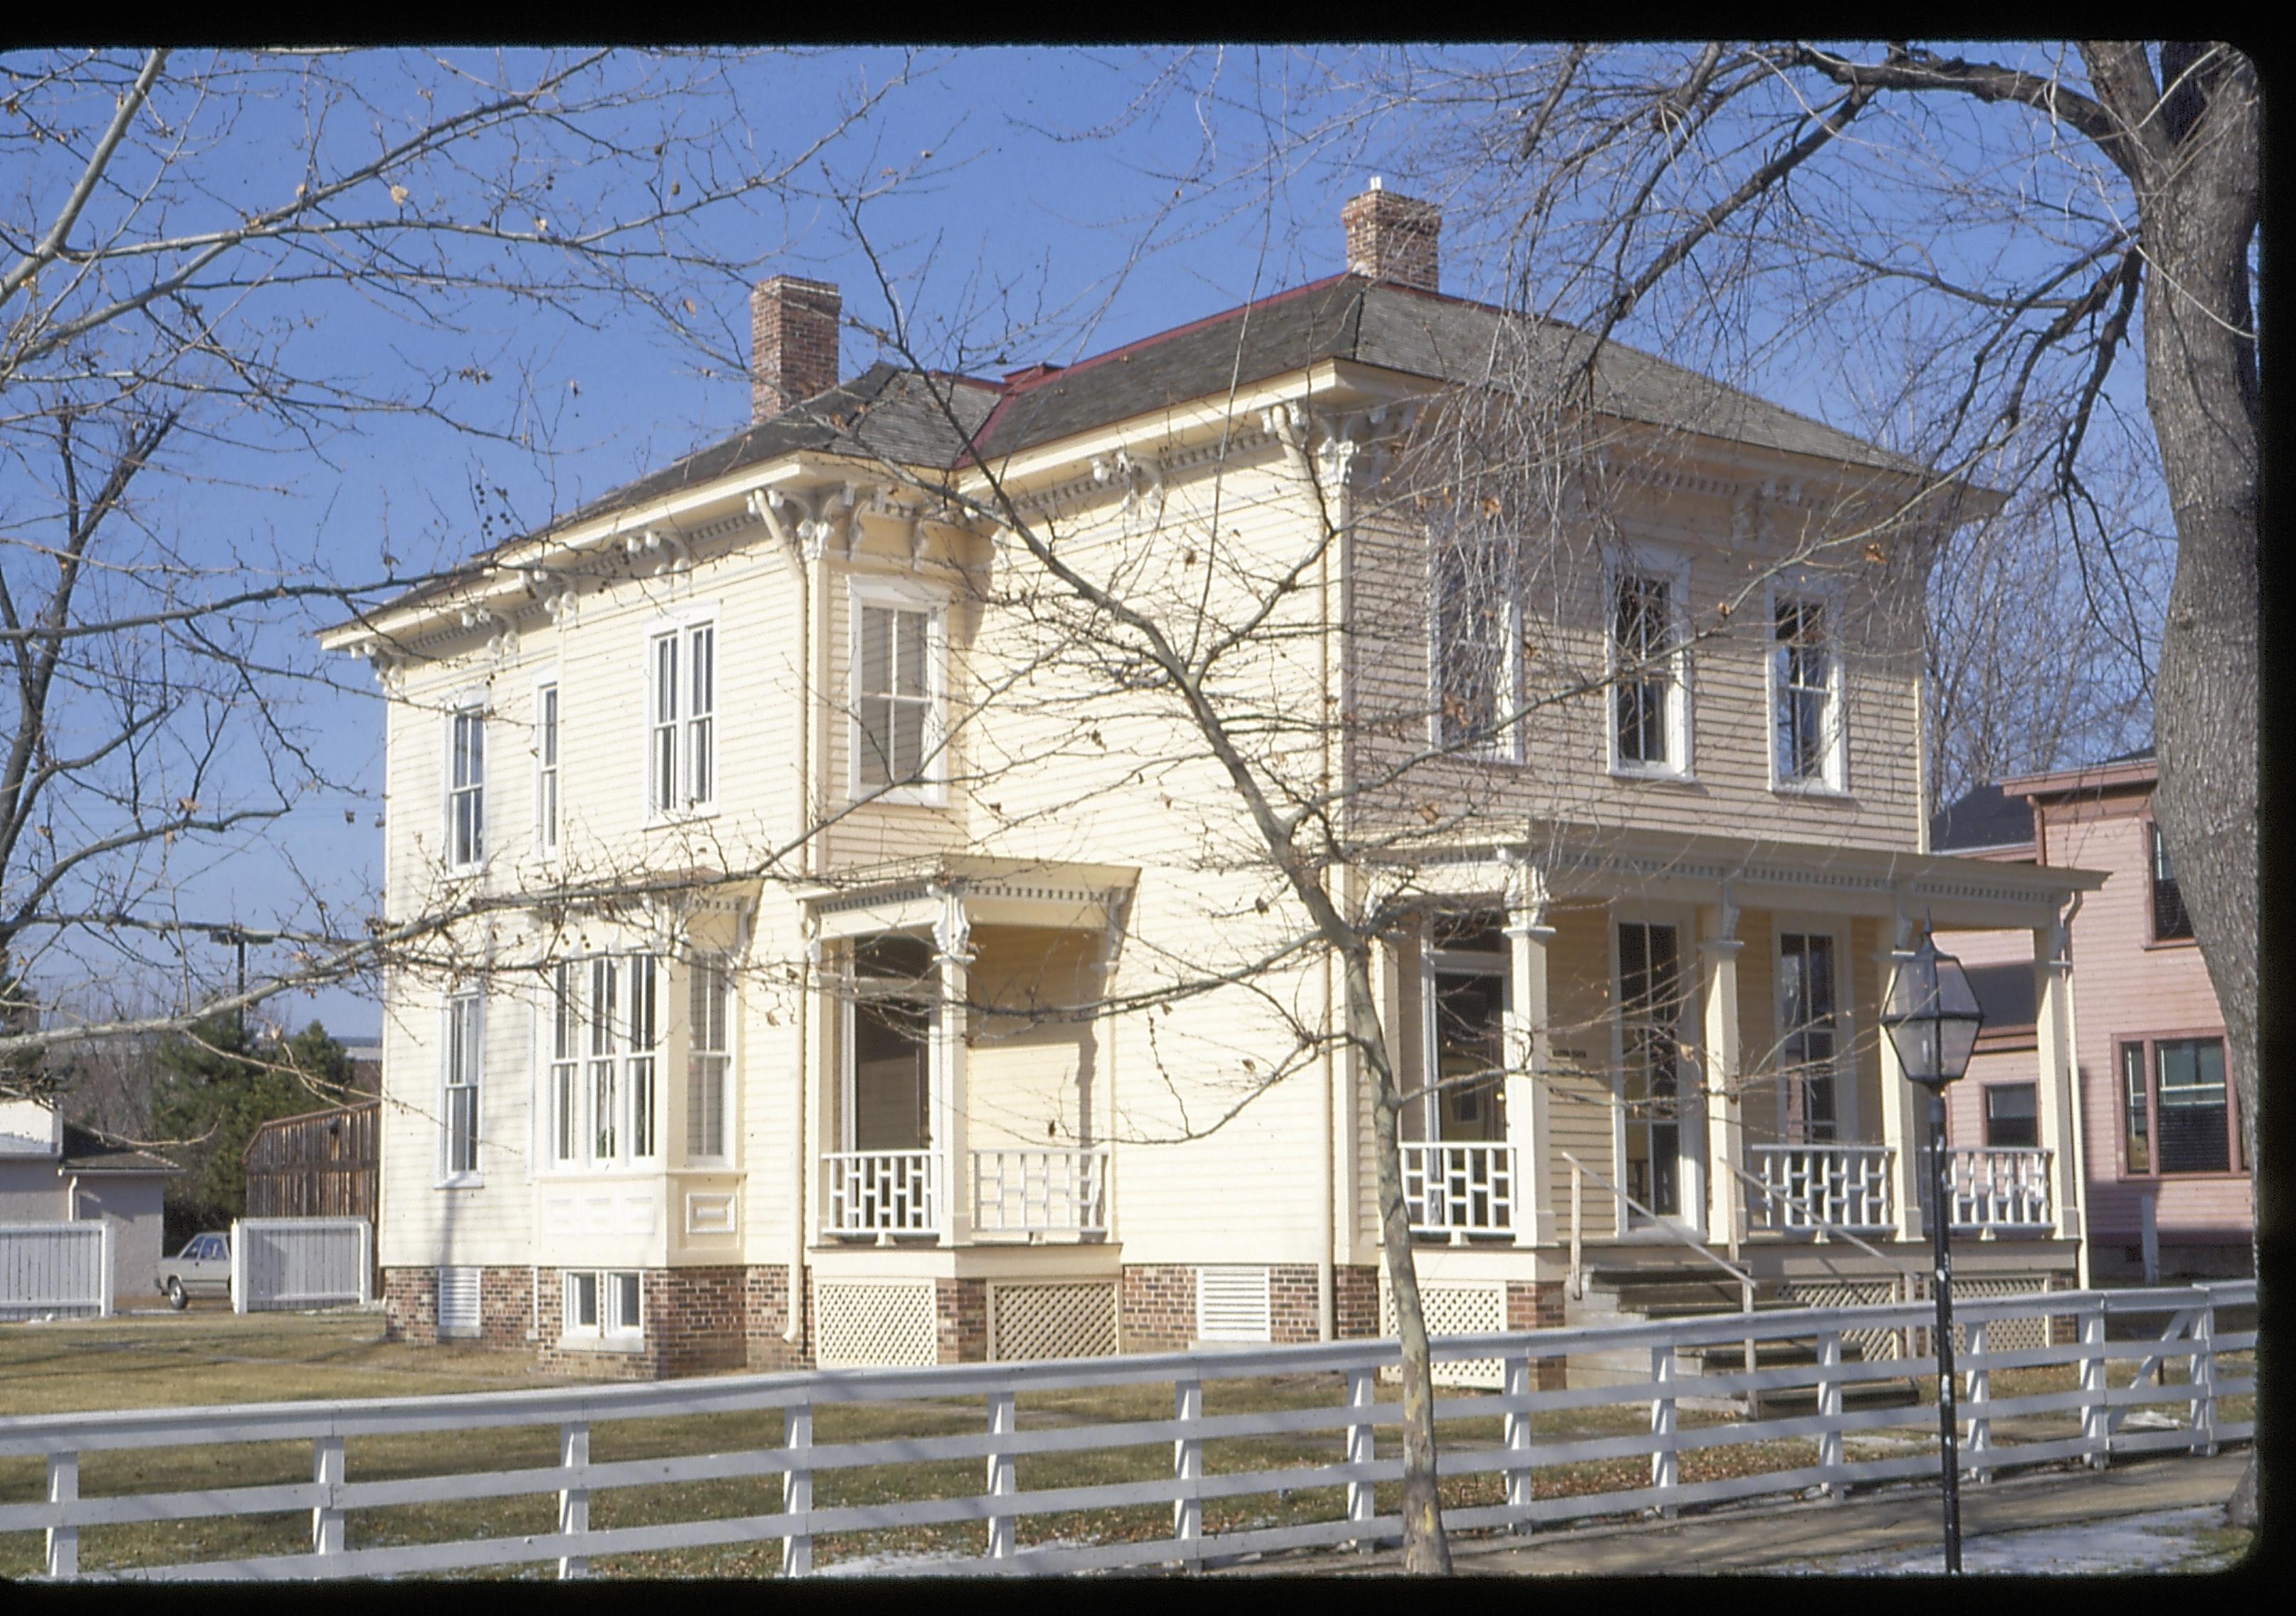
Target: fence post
[573,1502]
[1978,1403]
[1518,1440]
[2200,1368]
[63,1541]
[1829,1410]
[1003,1419]
[797,1490]
[1662,1452]
[238,1269]
[1187,1467]
[327,1472]
[2097,1427]
[1362,1393]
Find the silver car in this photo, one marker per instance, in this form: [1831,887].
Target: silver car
[203,1268]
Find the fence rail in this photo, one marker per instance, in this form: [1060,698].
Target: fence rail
[2192,1332]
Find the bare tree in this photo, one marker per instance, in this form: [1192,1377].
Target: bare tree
[187,245]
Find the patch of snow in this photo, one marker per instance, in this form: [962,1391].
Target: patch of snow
[2087,1548]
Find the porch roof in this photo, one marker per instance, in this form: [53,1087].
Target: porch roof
[908,894]
[1579,861]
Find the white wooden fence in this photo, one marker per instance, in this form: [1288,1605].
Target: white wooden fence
[279,1263]
[60,1268]
[1999,1436]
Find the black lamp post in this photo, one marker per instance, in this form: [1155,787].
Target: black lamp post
[1931,1017]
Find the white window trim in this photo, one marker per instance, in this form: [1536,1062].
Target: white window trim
[1834,778]
[1674,569]
[1845,1044]
[1505,742]
[619,1335]
[900,596]
[681,624]
[550,824]
[467,702]
[449,1178]
[624,1057]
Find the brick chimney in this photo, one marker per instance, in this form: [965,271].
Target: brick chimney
[792,342]
[1392,238]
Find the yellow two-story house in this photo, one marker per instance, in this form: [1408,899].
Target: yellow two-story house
[854,951]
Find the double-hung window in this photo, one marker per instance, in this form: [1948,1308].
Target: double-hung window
[601,1304]
[2177,1107]
[1805,678]
[1808,1036]
[1474,637]
[604,1045]
[1650,698]
[565,1065]
[681,727]
[546,768]
[466,787]
[899,645]
[459,1102]
[706,1062]
[605,1093]
[2171,922]
[639,1065]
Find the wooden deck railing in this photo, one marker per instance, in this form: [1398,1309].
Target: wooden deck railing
[1459,1189]
[2194,1333]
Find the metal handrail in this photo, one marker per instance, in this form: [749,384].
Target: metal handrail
[1744,1279]
[1775,1193]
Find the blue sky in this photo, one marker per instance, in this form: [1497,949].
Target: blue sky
[1061,195]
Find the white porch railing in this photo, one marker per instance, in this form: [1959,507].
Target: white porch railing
[1999,1189]
[1040,1192]
[883,1192]
[1459,1189]
[1843,1185]
[2184,1416]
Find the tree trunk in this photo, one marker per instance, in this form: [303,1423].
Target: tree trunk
[1426,1552]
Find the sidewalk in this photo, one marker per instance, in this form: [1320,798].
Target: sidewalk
[1893,1530]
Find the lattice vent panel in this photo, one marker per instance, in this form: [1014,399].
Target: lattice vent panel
[874,1326]
[1851,1294]
[2001,1334]
[1052,1321]
[1457,1310]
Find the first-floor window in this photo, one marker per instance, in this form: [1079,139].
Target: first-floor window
[2177,1106]
[460,1108]
[603,1047]
[1806,1013]
[601,1303]
[706,1062]
[565,1065]
[605,1095]
[645,978]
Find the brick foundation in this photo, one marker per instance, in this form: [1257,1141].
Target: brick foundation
[1295,1313]
[1157,1308]
[1538,1305]
[1355,1302]
[961,1320]
[765,1317]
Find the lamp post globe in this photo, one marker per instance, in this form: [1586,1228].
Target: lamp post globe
[1931,1017]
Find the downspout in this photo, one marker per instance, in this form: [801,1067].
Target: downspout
[1326,1276]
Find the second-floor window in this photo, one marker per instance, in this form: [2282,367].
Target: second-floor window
[2177,1113]
[1473,636]
[681,722]
[1805,695]
[1649,705]
[2169,920]
[466,788]
[894,689]
[545,767]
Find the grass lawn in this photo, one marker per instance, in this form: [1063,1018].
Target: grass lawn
[213,1357]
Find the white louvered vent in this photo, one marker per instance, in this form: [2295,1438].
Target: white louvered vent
[1232,1305]
[458,1301]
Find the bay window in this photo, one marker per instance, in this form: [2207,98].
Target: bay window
[706,1062]
[603,1045]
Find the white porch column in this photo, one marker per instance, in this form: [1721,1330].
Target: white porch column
[945,1076]
[1718,948]
[1905,1116]
[1528,1045]
[2053,1034]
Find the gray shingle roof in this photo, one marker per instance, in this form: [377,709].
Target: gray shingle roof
[88,1152]
[890,414]
[1984,817]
